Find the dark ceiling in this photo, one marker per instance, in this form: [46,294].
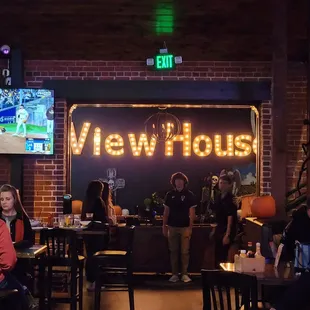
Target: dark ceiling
[134,30]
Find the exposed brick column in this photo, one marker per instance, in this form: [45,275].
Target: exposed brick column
[265,147]
[45,177]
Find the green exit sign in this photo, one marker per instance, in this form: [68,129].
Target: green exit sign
[164,62]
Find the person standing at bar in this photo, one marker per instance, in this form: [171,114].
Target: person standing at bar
[178,221]
[226,219]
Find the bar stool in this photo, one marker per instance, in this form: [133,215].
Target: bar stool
[116,262]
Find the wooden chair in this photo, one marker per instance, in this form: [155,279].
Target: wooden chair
[221,289]
[62,258]
[116,262]
[77,206]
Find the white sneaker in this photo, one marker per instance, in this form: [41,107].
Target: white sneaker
[14,134]
[185,278]
[174,279]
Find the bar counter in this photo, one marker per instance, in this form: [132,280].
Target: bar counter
[151,253]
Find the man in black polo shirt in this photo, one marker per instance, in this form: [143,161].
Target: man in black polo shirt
[226,219]
[178,220]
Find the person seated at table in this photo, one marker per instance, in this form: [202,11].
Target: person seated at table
[297,230]
[107,198]
[15,217]
[7,263]
[94,204]
[226,220]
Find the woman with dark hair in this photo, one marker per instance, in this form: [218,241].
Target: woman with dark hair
[15,217]
[94,204]
[107,198]
[17,222]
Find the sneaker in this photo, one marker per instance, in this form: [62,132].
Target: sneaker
[14,134]
[174,279]
[185,278]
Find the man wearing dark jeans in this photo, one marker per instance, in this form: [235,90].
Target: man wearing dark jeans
[226,219]
[178,221]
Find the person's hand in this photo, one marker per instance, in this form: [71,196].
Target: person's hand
[165,231]
[226,240]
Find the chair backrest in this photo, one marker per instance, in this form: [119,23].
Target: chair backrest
[61,243]
[77,206]
[128,235]
[221,289]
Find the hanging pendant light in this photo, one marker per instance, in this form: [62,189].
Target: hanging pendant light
[162,126]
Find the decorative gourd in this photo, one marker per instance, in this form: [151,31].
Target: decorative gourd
[246,205]
[118,210]
[263,207]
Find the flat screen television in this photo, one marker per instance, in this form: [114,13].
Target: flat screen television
[26,121]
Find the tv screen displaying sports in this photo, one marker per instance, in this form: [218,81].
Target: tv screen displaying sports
[26,121]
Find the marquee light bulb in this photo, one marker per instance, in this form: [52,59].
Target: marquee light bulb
[136,148]
[196,145]
[114,145]
[242,143]
[77,145]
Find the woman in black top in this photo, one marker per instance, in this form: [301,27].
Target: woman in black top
[94,204]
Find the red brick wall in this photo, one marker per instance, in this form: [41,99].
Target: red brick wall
[44,182]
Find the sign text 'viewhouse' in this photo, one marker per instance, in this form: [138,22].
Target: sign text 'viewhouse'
[229,145]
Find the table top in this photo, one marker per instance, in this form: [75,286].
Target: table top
[272,276]
[32,252]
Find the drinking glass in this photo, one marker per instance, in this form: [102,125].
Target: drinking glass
[77,220]
[61,221]
[89,216]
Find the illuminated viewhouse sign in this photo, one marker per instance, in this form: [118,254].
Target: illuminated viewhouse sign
[229,145]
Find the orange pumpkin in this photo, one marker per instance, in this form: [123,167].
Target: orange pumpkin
[118,210]
[263,207]
[246,205]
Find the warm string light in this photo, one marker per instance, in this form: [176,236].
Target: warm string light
[143,142]
[97,141]
[185,138]
[255,146]
[242,143]
[196,145]
[218,146]
[114,145]
[78,145]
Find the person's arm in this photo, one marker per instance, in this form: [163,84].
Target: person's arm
[229,225]
[192,211]
[231,212]
[7,251]
[166,215]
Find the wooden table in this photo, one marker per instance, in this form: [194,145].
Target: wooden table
[33,252]
[272,276]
